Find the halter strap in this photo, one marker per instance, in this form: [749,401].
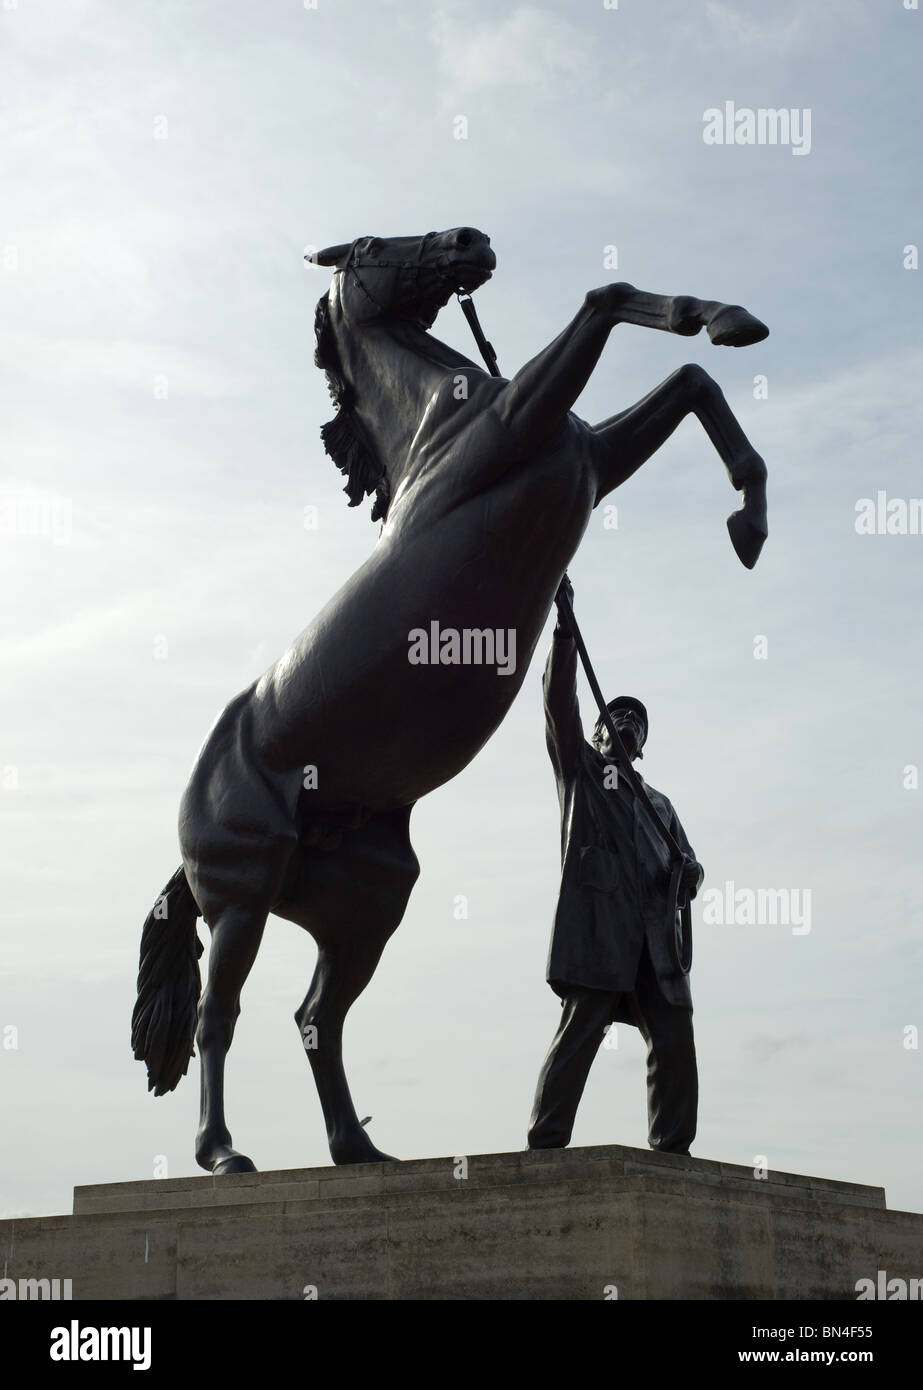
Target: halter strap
[352,260]
[353,263]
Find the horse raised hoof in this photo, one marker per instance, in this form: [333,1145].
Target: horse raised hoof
[746,537]
[733,326]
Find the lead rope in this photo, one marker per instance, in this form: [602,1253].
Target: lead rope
[681,936]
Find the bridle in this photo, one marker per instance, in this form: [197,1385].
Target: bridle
[354,262]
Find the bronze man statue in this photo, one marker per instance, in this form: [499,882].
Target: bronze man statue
[611,958]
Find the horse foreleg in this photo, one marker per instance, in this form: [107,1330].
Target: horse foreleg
[627,440]
[728,325]
[236,935]
[536,401]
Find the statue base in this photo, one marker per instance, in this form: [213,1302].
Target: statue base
[590,1223]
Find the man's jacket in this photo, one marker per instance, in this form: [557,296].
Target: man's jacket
[615,867]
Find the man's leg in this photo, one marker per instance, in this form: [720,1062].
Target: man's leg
[672,1075]
[561,1081]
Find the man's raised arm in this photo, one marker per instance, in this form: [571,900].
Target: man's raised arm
[563,730]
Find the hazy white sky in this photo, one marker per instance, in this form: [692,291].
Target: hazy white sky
[163,169]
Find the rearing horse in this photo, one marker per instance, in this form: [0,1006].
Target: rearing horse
[484,487]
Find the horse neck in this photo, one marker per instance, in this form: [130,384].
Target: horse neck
[394,368]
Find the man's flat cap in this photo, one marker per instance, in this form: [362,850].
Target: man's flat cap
[629,702]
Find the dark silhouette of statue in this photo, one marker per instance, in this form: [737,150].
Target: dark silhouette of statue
[612,957]
[299,802]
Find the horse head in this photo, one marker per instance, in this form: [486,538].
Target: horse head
[407,277]
[399,279]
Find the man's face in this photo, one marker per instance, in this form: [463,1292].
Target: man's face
[630,728]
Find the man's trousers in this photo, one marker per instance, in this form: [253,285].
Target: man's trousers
[672,1076]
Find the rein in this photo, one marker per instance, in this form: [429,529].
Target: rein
[681,936]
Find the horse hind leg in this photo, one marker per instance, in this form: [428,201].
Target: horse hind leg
[623,443]
[343,970]
[351,900]
[236,934]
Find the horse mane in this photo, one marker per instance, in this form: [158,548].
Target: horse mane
[344,438]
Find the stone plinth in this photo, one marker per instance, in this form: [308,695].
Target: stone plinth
[561,1224]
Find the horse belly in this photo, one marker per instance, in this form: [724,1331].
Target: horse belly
[411,667]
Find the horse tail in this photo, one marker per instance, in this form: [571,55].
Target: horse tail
[169,984]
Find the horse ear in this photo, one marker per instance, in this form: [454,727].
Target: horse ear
[332,255]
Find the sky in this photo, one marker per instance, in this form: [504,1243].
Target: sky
[163,170]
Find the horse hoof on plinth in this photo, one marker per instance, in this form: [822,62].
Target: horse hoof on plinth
[237,1163]
[222,1160]
[733,326]
[359,1149]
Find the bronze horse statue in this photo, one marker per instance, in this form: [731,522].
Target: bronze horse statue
[484,487]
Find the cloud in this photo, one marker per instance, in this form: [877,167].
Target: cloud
[528,48]
[801,27]
[83,633]
[141,366]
